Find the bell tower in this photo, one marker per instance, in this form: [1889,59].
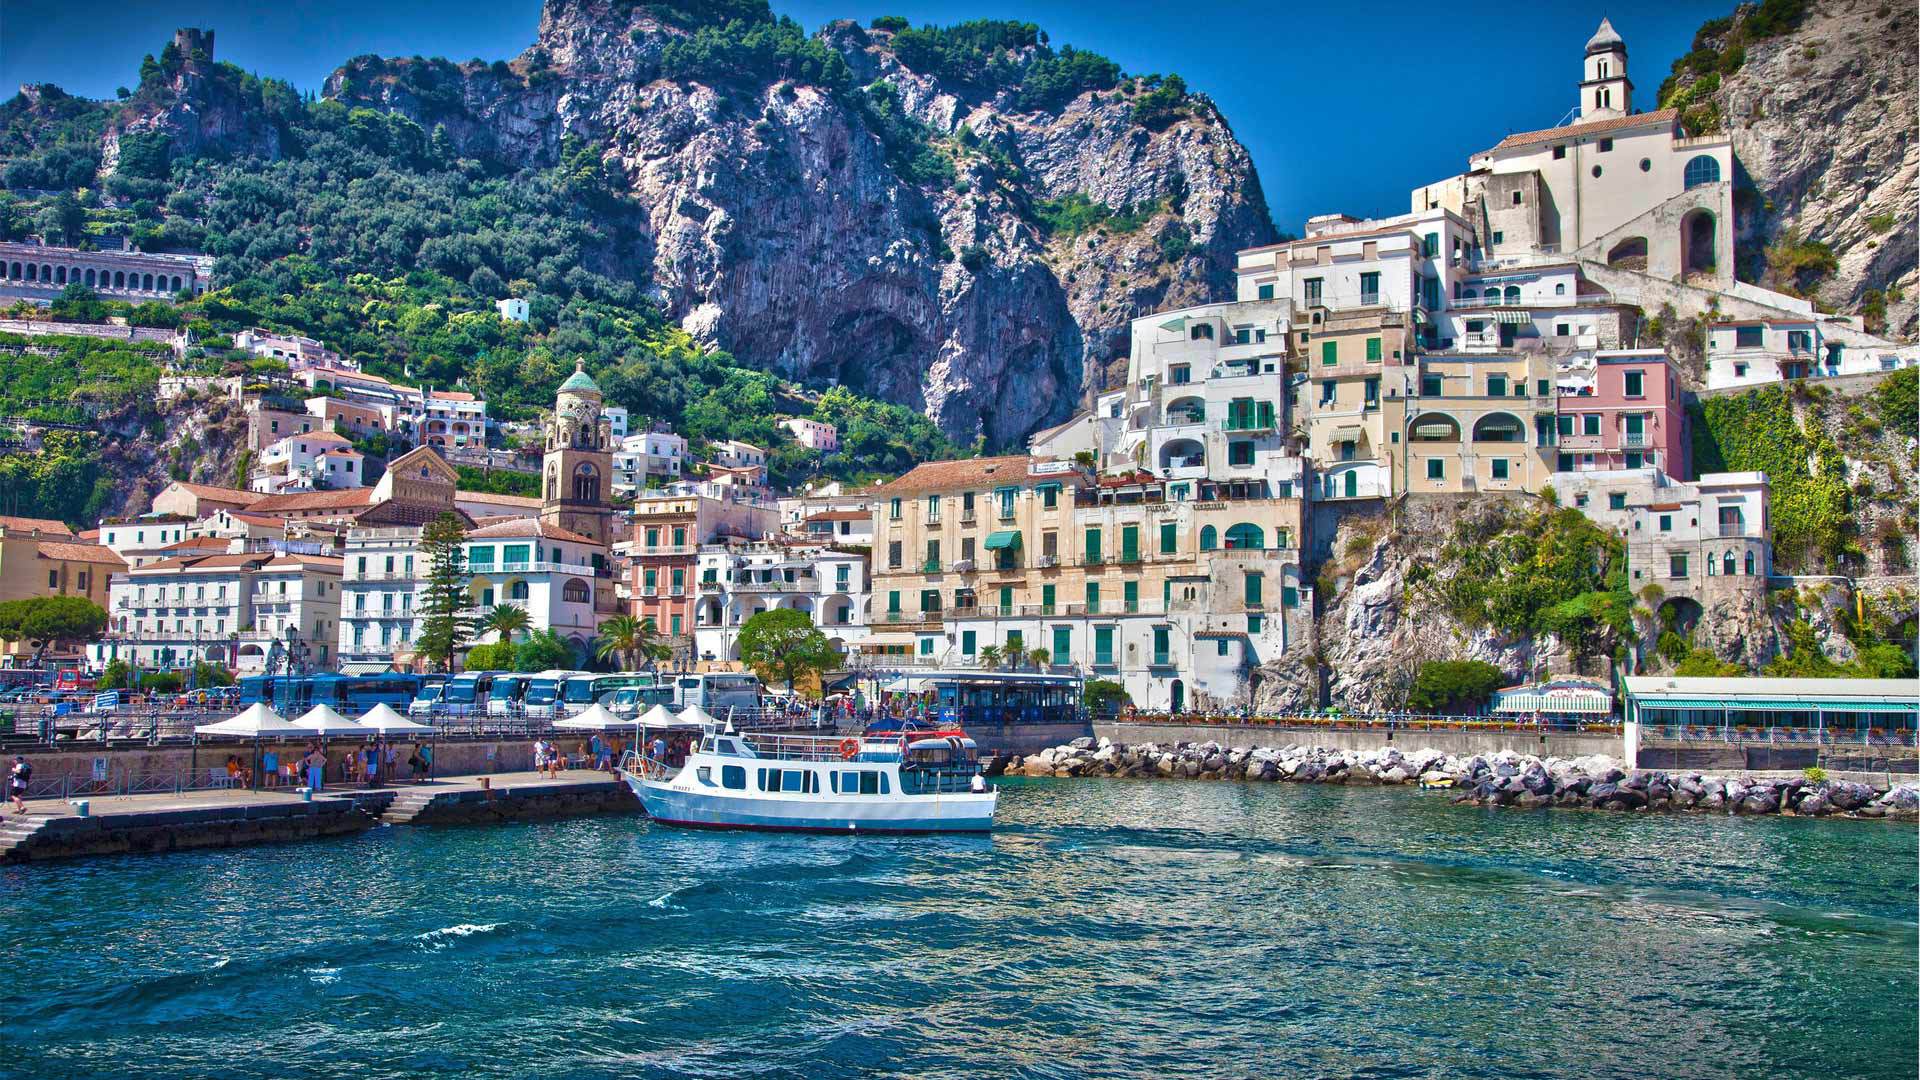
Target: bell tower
[577,475]
[1605,91]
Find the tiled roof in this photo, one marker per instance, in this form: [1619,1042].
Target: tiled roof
[47,526]
[840,515]
[197,543]
[345,498]
[1592,127]
[203,562]
[453,395]
[498,500]
[315,562]
[219,494]
[527,527]
[88,536]
[966,474]
[252,518]
[90,553]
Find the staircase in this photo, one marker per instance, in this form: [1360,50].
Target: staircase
[15,833]
[406,806]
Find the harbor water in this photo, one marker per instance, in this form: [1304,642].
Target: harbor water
[1107,928]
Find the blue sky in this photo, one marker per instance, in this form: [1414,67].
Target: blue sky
[1344,106]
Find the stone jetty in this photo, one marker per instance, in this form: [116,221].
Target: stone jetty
[1500,779]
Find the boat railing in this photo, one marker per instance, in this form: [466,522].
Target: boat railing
[645,766]
[807,747]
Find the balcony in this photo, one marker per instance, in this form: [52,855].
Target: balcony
[1635,439]
[1740,529]
[930,566]
[531,568]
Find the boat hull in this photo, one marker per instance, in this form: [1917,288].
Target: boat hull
[962,812]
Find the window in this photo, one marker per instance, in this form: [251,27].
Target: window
[1544,388]
[1636,384]
[1616,500]
[1739,371]
[1161,645]
[1596,172]
[1289,596]
[1373,349]
[1606,145]
[1240,452]
[926,646]
[1562,329]
[1666,522]
[1499,237]
[1430,245]
[1370,287]
[1093,597]
[1646,164]
[933,508]
[1499,468]
[1265,291]
[1560,152]
[893,602]
[1677,566]
[1169,538]
[733,776]
[1590,424]
[1749,337]
[1103,645]
[1701,170]
[893,554]
[1049,497]
[933,556]
[969,642]
[1208,538]
[893,509]
[1329,352]
[1496,386]
[1430,386]
[1516,198]
[1313,286]
[1254,583]
[1436,469]
[1092,546]
[1220,647]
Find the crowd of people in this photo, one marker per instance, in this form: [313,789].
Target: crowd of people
[370,765]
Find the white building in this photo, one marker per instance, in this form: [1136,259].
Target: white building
[734,454]
[813,434]
[512,309]
[543,568]
[844,527]
[616,417]
[382,583]
[300,353]
[655,453]
[314,461]
[1690,539]
[451,418]
[739,579]
[253,605]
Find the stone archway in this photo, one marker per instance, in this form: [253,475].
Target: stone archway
[1698,236]
[1628,254]
[1680,614]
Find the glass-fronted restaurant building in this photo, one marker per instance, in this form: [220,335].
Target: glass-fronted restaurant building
[1874,711]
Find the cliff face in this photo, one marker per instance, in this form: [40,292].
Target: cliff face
[1822,118]
[797,223]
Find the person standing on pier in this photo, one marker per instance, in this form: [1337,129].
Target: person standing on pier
[17,780]
[316,763]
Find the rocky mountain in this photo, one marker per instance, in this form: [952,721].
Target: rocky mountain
[1819,100]
[963,220]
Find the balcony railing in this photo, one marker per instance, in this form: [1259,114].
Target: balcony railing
[530,568]
[1636,439]
[931,566]
[1740,528]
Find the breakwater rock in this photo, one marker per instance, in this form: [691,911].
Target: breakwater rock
[1502,779]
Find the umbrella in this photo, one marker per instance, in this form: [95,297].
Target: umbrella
[322,720]
[258,721]
[593,718]
[694,714]
[383,720]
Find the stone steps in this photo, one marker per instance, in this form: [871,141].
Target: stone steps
[16,831]
[406,806]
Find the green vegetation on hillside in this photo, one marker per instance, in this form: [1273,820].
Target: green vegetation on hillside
[1074,214]
[74,371]
[1758,432]
[1720,49]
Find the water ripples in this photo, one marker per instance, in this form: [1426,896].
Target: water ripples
[1118,929]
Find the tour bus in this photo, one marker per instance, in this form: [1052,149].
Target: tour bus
[542,696]
[348,695]
[581,691]
[467,693]
[504,699]
[628,702]
[717,691]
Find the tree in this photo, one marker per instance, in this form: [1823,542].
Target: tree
[493,656]
[1454,685]
[786,644]
[446,628]
[990,657]
[505,620]
[625,639]
[1104,697]
[114,675]
[542,651]
[51,618]
[1038,658]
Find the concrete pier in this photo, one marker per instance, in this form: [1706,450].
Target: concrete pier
[135,824]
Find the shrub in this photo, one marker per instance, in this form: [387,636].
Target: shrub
[1454,686]
[1104,697]
[1814,774]
[1158,108]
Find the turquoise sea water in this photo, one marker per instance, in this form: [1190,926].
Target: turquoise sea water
[1110,928]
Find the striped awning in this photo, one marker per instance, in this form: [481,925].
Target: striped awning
[1779,705]
[1594,702]
[1515,317]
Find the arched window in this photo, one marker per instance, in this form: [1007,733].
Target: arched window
[586,484]
[1201,332]
[1726,564]
[1513,294]
[1246,536]
[1499,427]
[89,277]
[1749,564]
[59,275]
[119,279]
[553,483]
[576,592]
[1702,170]
[1209,539]
[146,283]
[176,283]
[1470,294]
[33,272]
[517,591]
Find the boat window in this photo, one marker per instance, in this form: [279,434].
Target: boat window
[883,785]
[871,782]
[732,776]
[706,775]
[846,783]
[769,779]
[793,781]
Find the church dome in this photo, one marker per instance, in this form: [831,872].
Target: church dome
[580,380]
[1605,39]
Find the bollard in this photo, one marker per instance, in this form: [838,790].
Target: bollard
[486,785]
[81,807]
[306,794]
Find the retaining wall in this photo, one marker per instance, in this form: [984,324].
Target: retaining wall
[186,830]
[1023,738]
[449,758]
[497,804]
[1463,743]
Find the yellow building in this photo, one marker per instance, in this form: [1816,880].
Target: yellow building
[1356,361]
[39,557]
[1116,577]
[1481,423]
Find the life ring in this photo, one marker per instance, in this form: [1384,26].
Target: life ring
[849,749]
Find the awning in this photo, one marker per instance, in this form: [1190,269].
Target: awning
[1347,433]
[1778,705]
[1515,317]
[1175,324]
[1007,539]
[1596,702]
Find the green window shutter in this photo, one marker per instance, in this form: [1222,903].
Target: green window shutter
[1006,598]
[968,639]
[1093,545]
[1103,644]
[1169,538]
[1289,596]
[1062,644]
[1093,596]
[1046,597]
[1564,424]
[1329,352]
[1160,644]
[1130,592]
[893,602]
[1373,348]
[1254,582]
[1130,543]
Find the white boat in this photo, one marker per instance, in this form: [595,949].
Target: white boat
[896,783]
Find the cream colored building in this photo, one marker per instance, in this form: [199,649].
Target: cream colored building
[41,557]
[237,609]
[1180,599]
[1480,423]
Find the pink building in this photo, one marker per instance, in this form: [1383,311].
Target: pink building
[813,434]
[1630,415]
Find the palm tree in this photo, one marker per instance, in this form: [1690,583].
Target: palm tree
[990,657]
[625,638]
[1039,658]
[507,619]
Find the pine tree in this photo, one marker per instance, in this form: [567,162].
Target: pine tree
[446,629]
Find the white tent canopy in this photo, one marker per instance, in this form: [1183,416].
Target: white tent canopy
[322,720]
[593,718]
[694,714]
[258,721]
[384,720]
[659,716]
